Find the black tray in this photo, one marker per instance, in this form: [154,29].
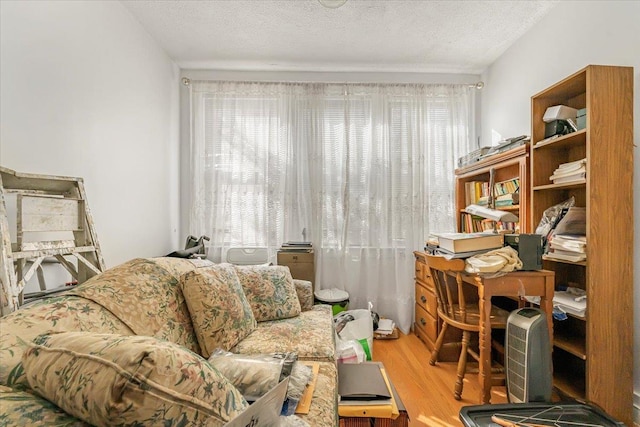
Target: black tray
[576,413]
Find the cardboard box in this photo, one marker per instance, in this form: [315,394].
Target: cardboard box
[301,264]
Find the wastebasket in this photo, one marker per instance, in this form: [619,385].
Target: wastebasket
[338,299]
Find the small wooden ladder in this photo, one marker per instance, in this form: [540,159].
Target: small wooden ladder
[52,223]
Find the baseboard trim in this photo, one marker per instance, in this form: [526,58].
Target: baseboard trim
[636,409]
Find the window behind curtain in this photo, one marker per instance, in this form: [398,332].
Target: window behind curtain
[366,170]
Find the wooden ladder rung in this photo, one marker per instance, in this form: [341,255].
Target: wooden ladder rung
[53,252]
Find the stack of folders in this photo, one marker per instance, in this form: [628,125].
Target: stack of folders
[570,172]
[365,391]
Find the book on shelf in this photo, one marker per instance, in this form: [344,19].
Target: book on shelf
[474,190]
[508,186]
[563,243]
[473,223]
[578,177]
[564,256]
[507,199]
[569,172]
[467,242]
[567,255]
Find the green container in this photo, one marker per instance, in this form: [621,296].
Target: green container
[336,298]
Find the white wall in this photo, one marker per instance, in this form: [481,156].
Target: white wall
[86,92]
[573,35]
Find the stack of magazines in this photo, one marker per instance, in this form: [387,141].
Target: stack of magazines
[570,172]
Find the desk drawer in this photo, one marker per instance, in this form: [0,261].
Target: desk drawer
[427,323]
[426,299]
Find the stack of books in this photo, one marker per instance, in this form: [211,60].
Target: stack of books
[296,247]
[386,329]
[464,245]
[570,172]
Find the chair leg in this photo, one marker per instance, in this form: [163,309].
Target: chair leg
[462,365]
[439,341]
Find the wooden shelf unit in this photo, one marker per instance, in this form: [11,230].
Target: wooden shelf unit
[510,164]
[593,357]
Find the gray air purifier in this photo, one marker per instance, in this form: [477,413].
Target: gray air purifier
[528,356]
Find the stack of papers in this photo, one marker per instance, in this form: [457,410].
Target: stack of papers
[570,172]
[572,301]
[385,327]
[568,248]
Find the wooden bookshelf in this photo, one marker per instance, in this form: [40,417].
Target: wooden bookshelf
[508,165]
[593,357]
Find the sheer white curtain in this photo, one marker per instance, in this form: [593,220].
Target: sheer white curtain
[367,170]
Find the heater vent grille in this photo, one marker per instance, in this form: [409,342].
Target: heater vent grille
[528,357]
[517,360]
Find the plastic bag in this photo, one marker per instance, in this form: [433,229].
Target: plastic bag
[550,218]
[253,375]
[349,351]
[359,329]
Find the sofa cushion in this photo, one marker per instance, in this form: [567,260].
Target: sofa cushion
[56,314]
[310,335]
[145,294]
[19,407]
[270,291]
[219,309]
[304,289]
[107,379]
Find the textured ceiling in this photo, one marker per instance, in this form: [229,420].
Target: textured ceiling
[452,36]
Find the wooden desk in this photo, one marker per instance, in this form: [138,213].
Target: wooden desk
[514,284]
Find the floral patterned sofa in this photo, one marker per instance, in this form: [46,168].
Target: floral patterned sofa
[129,346]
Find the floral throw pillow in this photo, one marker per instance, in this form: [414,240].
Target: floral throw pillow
[107,380]
[219,309]
[270,291]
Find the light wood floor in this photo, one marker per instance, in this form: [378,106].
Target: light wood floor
[425,390]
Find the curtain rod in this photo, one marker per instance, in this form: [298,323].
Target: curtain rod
[479,85]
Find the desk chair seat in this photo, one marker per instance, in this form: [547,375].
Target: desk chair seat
[454,311]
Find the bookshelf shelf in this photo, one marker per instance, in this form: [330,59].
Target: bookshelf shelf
[564,141]
[577,184]
[582,263]
[571,345]
[585,347]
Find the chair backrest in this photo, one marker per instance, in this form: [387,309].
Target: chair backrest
[447,280]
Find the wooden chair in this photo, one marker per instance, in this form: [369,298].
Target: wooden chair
[454,311]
